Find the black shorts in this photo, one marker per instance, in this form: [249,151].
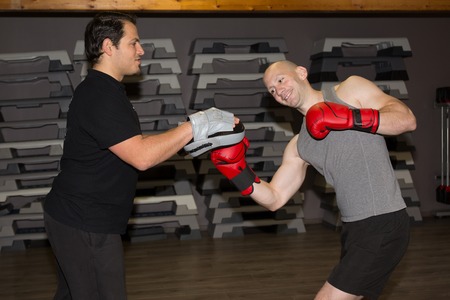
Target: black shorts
[371,249]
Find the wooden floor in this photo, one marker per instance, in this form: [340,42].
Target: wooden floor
[258,266]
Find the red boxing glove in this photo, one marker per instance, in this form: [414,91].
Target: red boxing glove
[323,117]
[230,161]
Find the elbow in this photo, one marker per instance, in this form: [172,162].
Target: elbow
[142,165]
[275,201]
[408,124]
[412,124]
[274,206]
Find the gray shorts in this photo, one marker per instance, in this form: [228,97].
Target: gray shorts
[371,249]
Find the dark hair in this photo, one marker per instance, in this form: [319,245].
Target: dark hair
[104,25]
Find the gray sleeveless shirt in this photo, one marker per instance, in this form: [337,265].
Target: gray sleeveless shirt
[357,165]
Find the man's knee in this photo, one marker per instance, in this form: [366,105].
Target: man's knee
[329,292]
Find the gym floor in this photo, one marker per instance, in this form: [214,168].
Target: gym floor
[258,266]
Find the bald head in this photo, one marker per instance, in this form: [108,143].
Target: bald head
[287,83]
[282,65]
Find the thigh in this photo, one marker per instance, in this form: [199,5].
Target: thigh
[393,247]
[91,263]
[370,251]
[109,264]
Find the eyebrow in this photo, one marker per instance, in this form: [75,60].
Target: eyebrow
[134,40]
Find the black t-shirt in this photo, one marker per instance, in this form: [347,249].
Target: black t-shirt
[95,189]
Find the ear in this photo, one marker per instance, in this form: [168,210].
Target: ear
[107,46]
[301,72]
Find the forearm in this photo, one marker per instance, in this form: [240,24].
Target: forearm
[230,161]
[286,181]
[264,195]
[396,119]
[146,151]
[160,147]
[394,115]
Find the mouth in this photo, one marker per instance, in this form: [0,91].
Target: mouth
[286,96]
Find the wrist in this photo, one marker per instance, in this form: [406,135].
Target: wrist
[244,181]
[199,125]
[366,119]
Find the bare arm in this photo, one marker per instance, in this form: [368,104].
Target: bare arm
[146,151]
[395,117]
[285,183]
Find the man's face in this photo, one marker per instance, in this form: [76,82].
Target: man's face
[281,84]
[128,54]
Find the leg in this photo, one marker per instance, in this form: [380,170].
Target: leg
[329,292]
[62,290]
[90,264]
[53,233]
[109,263]
[371,249]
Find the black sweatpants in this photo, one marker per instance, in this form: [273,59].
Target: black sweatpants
[90,265]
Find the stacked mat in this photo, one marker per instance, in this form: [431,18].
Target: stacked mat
[36,92]
[380,60]
[228,75]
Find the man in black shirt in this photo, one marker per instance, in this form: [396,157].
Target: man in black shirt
[91,199]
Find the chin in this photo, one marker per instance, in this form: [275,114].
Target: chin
[135,73]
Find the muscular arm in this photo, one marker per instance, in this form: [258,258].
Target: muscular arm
[146,151]
[286,181]
[395,117]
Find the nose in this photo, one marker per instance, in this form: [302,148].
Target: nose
[140,50]
[278,91]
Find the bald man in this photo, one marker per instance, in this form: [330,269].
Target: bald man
[342,138]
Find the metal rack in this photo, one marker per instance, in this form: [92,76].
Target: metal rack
[443,189]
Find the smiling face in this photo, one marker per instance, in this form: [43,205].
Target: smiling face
[284,82]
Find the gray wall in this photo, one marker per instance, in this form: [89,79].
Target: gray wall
[428,68]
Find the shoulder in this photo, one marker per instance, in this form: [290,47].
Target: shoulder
[291,149]
[358,91]
[354,82]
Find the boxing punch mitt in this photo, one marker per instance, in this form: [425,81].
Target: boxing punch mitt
[230,161]
[323,117]
[211,129]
